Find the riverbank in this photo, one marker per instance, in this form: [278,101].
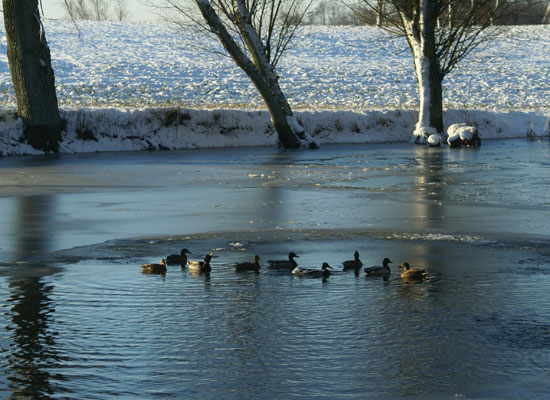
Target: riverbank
[125,129]
[133,86]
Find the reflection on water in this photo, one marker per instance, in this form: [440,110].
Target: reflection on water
[431,200]
[31,352]
[272,335]
[30,347]
[478,327]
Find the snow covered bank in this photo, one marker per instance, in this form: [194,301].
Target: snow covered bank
[112,64]
[348,85]
[125,129]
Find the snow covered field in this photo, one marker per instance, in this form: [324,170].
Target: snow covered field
[131,86]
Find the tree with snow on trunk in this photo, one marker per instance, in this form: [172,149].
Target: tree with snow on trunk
[255,33]
[440,34]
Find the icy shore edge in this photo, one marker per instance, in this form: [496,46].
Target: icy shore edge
[127,129]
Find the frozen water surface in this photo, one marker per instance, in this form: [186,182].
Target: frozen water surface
[80,320]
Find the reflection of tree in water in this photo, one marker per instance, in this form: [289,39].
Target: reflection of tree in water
[32,350]
[31,353]
[429,208]
[34,225]
[430,182]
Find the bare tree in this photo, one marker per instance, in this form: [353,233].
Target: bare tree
[96,10]
[256,33]
[330,12]
[440,34]
[546,18]
[120,11]
[32,74]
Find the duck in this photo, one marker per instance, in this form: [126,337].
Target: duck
[159,268]
[200,266]
[380,271]
[284,264]
[313,273]
[353,264]
[249,266]
[178,258]
[414,274]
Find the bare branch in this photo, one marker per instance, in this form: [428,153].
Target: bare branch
[98,10]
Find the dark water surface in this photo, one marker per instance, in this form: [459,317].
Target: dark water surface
[79,319]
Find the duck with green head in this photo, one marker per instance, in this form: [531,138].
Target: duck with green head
[284,264]
[200,266]
[180,259]
[380,271]
[313,273]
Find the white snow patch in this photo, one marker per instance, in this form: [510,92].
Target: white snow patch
[133,86]
[435,140]
[126,129]
[462,131]
[421,133]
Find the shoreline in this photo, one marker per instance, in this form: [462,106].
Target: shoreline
[115,129]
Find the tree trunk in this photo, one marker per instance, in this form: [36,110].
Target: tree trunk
[379,12]
[32,74]
[546,18]
[261,73]
[421,38]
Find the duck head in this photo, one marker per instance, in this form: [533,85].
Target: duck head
[292,255]
[185,251]
[405,266]
[386,262]
[325,266]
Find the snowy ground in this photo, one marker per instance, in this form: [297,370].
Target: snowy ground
[131,86]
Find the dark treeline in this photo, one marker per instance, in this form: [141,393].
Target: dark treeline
[330,12]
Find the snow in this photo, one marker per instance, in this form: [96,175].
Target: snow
[422,130]
[133,86]
[435,140]
[462,131]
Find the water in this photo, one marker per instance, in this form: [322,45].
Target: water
[81,321]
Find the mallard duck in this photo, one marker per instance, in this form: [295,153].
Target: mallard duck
[284,264]
[414,274]
[249,266]
[200,266]
[178,258]
[353,264]
[159,268]
[313,273]
[380,271]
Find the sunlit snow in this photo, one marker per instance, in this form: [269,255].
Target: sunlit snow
[120,86]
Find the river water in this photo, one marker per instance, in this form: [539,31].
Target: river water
[80,320]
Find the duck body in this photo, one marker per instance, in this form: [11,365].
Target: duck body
[353,264]
[249,266]
[379,271]
[313,273]
[178,258]
[412,274]
[284,264]
[200,266]
[159,268]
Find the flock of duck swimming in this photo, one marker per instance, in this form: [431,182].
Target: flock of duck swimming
[203,266]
